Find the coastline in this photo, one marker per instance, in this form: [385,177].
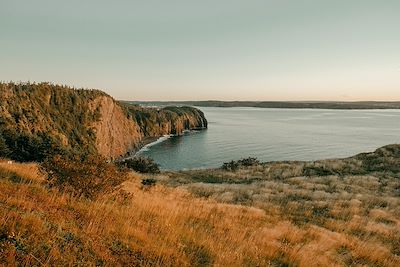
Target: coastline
[150,141]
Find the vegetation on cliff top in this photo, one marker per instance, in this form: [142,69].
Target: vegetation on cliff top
[38,120]
[172,120]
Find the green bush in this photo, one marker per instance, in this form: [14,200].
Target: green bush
[231,166]
[141,164]
[318,171]
[87,176]
[249,162]
[235,165]
[149,182]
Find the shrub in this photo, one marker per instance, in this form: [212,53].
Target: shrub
[231,166]
[88,176]
[317,171]
[26,147]
[141,164]
[149,182]
[249,162]
[235,165]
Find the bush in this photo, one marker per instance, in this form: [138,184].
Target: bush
[249,162]
[149,182]
[141,164]
[231,166]
[88,176]
[317,171]
[26,147]
[235,165]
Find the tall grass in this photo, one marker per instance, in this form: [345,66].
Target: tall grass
[321,223]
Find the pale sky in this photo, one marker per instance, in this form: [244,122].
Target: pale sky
[209,49]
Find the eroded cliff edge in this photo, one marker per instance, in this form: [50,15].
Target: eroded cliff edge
[40,119]
[123,128]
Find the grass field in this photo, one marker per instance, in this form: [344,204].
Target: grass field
[325,213]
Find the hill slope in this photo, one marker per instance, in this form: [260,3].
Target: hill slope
[341,212]
[38,119]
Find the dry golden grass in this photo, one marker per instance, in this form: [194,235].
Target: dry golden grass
[298,221]
[29,171]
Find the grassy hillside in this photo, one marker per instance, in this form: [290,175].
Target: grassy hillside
[324,213]
[37,119]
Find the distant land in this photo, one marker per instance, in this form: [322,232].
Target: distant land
[278,104]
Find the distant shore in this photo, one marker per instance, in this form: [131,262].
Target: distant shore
[279,104]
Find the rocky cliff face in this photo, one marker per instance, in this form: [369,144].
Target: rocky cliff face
[124,128]
[38,119]
[169,120]
[115,133]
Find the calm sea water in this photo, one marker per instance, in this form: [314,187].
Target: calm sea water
[277,134]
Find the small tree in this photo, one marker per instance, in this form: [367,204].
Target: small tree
[83,176]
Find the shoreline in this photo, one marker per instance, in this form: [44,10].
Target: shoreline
[150,141]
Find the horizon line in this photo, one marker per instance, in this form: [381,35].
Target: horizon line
[275,101]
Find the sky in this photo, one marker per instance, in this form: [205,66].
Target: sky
[295,50]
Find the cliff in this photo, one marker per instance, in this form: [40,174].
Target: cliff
[124,128]
[41,119]
[115,133]
[167,120]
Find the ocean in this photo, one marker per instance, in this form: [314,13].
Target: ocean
[275,135]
